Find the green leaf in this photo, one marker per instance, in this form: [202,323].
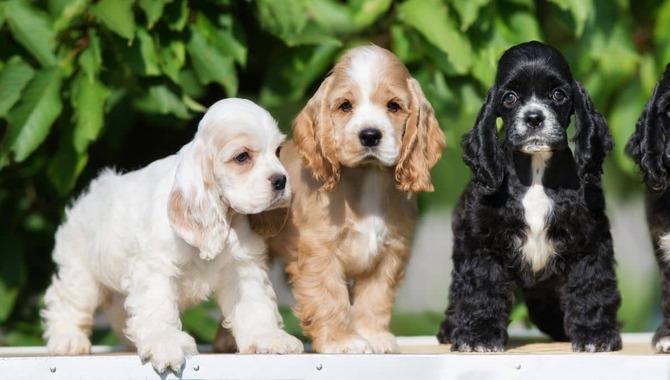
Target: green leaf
[90,60]
[14,77]
[580,9]
[70,10]
[283,18]
[431,18]
[88,102]
[32,30]
[468,10]
[366,12]
[172,58]
[148,53]
[117,15]
[31,119]
[210,64]
[161,100]
[12,272]
[153,9]
[66,166]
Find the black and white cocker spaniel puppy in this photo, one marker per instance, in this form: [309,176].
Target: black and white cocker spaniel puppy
[650,148]
[534,213]
[149,243]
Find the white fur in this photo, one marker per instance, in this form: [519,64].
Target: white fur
[364,68]
[663,344]
[664,244]
[123,244]
[537,250]
[372,226]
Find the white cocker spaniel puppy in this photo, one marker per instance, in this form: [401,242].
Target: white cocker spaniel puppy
[155,241]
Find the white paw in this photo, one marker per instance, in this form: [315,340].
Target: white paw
[167,350]
[351,344]
[382,342]
[663,344]
[272,342]
[73,343]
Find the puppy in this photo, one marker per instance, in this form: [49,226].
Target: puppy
[650,149]
[362,149]
[534,213]
[165,237]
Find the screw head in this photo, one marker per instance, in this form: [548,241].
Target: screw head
[319,367]
[196,367]
[52,368]
[517,366]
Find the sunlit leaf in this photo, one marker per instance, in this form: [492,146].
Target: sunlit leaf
[580,9]
[162,100]
[117,15]
[90,60]
[14,77]
[31,119]
[153,9]
[148,53]
[88,101]
[70,10]
[468,10]
[431,18]
[31,28]
[210,64]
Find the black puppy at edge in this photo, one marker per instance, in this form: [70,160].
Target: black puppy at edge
[650,148]
[534,214]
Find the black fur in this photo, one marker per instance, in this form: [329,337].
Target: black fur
[650,148]
[574,297]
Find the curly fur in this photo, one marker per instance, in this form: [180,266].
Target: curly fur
[650,149]
[534,213]
[349,230]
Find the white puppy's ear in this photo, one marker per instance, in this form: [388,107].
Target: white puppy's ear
[196,212]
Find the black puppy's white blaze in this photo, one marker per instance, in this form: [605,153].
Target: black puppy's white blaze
[537,250]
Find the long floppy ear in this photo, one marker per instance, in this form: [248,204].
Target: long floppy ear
[593,139]
[196,213]
[269,223]
[481,151]
[422,144]
[646,145]
[313,136]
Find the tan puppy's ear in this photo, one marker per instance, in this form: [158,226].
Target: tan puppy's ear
[313,136]
[269,223]
[422,144]
[196,213]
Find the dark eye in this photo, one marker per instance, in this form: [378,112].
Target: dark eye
[242,157]
[345,106]
[510,98]
[278,151]
[558,96]
[393,107]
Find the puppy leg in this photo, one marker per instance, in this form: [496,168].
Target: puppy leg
[249,306]
[70,303]
[544,309]
[224,342]
[480,300]
[153,318]
[374,295]
[661,339]
[322,302]
[592,301]
[117,316]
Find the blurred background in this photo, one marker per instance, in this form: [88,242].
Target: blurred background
[86,84]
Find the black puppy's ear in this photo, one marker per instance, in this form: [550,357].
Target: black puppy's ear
[646,145]
[481,151]
[593,139]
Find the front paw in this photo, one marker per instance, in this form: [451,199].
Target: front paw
[347,344]
[73,343]
[167,350]
[271,342]
[381,342]
[661,339]
[478,340]
[595,340]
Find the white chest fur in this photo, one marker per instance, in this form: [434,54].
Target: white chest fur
[664,243]
[371,229]
[537,249]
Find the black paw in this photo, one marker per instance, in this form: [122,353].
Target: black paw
[488,339]
[444,335]
[595,340]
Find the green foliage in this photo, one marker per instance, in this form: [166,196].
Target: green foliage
[84,84]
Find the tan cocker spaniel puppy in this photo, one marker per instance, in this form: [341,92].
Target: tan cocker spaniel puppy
[362,149]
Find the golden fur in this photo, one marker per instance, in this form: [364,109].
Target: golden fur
[349,229]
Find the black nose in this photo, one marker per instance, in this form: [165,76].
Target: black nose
[278,181]
[534,118]
[370,137]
